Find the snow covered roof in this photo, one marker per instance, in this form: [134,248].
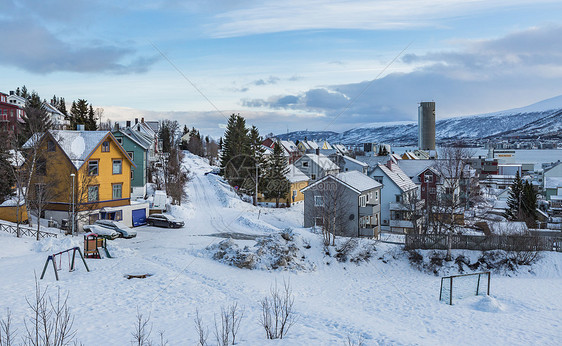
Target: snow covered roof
[413,168]
[295,175]
[78,145]
[351,159]
[552,182]
[398,177]
[354,180]
[323,161]
[311,144]
[358,180]
[289,146]
[372,161]
[136,137]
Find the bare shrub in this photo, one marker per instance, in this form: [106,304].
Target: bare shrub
[278,313]
[141,334]
[352,341]
[203,332]
[222,329]
[7,335]
[51,322]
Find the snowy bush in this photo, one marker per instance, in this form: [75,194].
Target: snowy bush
[277,251]
[354,250]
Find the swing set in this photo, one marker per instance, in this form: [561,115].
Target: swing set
[53,259]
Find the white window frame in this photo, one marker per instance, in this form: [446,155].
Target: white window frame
[363,200]
[318,201]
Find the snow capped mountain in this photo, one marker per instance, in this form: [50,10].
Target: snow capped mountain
[542,119]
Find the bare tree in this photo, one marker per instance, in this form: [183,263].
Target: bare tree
[42,193]
[330,210]
[51,322]
[141,334]
[278,314]
[454,170]
[202,331]
[7,334]
[212,152]
[176,176]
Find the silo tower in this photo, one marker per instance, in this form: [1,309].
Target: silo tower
[426,126]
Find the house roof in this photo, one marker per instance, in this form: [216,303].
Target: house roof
[136,137]
[52,109]
[413,168]
[78,146]
[358,180]
[372,161]
[353,180]
[398,177]
[295,175]
[289,146]
[323,161]
[552,182]
[312,145]
[351,159]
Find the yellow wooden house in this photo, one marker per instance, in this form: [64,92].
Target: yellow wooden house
[85,170]
[298,181]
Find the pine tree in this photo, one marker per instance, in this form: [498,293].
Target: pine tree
[236,149]
[529,204]
[256,160]
[6,171]
[78,113]
[513,211]
[91,122]
[185,130]
[276,183]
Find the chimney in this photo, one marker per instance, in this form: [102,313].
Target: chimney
[136,121]
[142,120]
[116,125]
[389,164]
[318,151]
[128,123]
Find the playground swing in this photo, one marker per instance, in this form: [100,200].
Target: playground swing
[53,259]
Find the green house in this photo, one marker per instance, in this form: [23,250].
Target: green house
[137,147]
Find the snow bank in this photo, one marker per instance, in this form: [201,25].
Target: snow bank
[283,251]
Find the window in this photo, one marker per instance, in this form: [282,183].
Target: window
[105,147]
[41,166]
[432,190]
[131,155]
[117,166]
[318,221]
[305,164]
[119,140]
[318,201]
[51,146]
[376,195]
[119,215]
[378,179]
[117,188]
[132,174]
[93,167]
[313,176]
[428,178]
[363,201]
[93,193]
[398,198]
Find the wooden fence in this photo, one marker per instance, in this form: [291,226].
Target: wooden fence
[25,231]
[483,243]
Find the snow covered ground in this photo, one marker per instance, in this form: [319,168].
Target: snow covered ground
[382,301]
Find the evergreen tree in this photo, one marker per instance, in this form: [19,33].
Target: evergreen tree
[236,151]
[529,204]
[24,92]
[36,120]
[6,171]
[185,130]
[256,160]
[91,122]
[78,113]
[513,211]
[382,151]
[276,183]
[34,101]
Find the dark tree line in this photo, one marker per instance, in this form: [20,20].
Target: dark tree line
[522,202]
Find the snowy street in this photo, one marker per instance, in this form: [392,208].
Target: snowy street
[379,302]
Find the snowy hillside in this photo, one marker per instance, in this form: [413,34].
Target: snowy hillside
[372,294]
[540,119]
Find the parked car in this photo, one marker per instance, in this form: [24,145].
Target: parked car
[164,220]
[125,231]
[103,232]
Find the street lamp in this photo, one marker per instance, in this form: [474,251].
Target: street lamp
[73,217]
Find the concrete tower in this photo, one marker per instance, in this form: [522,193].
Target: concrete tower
[426,126]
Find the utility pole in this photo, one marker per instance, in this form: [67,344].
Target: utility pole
[73,212]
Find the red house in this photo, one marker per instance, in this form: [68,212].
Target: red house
[429,179]
[10,114]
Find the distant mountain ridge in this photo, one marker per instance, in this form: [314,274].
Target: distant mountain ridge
[539,120]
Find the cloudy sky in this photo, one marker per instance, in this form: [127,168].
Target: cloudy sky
[284,65]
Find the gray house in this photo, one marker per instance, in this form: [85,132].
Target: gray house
[347,203]
[347,163]
[316,166]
